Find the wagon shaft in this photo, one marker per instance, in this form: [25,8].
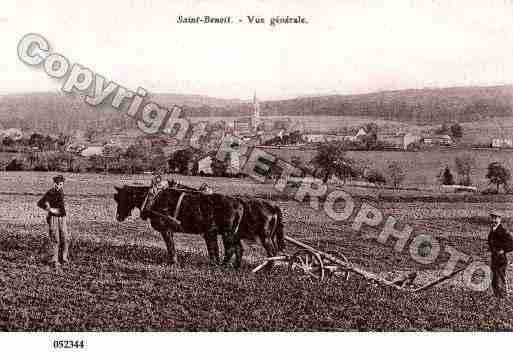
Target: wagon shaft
[339,265]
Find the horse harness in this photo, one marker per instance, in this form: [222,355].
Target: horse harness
[174,218]
[204,189]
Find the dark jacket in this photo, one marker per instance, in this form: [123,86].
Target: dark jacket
[497,240]
[56,200]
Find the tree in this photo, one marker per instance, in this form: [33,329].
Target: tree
[90,134]
[396,174]
[371,138]
[498,175]
[137,155]
[36,140]
[456,130]
[9,142]
[296,162]
[446,177]
[219,167]
[111,155]
[331,160]
[182,159]
[374,176]
[443,130]
[63,140]
[464,165]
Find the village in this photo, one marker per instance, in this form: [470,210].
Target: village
[131,151]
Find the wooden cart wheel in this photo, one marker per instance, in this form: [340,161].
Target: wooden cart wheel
[345,273]
[305,262]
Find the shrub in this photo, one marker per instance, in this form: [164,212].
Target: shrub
[79,165]
[374,176]
[16,164]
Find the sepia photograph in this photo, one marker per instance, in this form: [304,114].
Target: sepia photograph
[272,167]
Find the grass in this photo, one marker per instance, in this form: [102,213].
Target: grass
[118,280]
[421,168]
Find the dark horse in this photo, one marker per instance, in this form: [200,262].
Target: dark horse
[261,221]
[173,210]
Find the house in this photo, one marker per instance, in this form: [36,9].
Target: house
[242,126]
[12,133]
[76,147]
[92,151]
[235,163]
[409,138]
[502,143]
[205,166]
[361,132]
[398,140]
[352,137]
[332,138]
[441,140]
[313,138]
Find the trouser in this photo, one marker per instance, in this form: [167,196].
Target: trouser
[498,266]
[57,248]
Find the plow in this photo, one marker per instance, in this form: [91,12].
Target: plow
[321,265]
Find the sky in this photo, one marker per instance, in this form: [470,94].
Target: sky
[347,47]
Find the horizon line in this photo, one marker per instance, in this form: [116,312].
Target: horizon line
[292,97]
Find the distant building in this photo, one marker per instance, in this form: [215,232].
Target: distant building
[76,147]
[92,151]
[313,138]
[443,140]
[248,126]
[353,137]
[409,139]
[242,126]
[332,138]
[12,133]
[502,143]
[398,140]
[235,163]
[255,119]
[205,166]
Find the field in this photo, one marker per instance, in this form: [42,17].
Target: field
[421,168]
[118,280]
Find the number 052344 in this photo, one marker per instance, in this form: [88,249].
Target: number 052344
[68,344]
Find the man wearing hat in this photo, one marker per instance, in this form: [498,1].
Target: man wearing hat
[500,242]
[58,244]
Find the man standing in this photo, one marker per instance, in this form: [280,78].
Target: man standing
[500,243]
[57,247]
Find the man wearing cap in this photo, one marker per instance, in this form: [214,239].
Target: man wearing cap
[58,243]
[500,242]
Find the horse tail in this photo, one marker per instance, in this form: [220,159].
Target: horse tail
[279,233]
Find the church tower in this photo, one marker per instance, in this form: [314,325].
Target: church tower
[255,118]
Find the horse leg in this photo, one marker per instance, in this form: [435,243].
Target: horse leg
[238,254]
[229,248]
[212,247]
[170,244]
[232,246]
[270,250]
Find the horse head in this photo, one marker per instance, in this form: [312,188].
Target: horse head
[149,200]
[127,198]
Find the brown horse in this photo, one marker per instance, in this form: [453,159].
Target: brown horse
[262,222]
[172,210]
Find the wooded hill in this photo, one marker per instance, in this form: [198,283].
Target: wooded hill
[58,112]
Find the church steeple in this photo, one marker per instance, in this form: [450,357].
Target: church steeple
[255,118]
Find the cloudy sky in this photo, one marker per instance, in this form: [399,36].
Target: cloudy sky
[346,47]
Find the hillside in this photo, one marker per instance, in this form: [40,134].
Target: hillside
[57,112]
[440,105]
